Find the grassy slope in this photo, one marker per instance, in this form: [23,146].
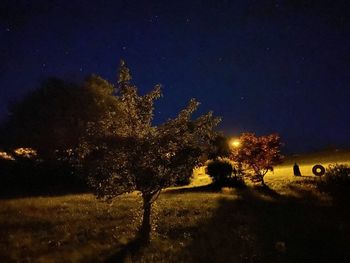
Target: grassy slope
[330,156]
[290,222]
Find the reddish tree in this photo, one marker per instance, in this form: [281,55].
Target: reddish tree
[258,154]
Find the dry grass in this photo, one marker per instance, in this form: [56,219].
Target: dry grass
[288,222]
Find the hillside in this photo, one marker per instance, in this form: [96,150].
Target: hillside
[291,221]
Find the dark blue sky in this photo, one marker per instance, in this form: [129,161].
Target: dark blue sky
[264,66]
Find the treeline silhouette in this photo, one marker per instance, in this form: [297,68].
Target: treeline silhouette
[50,120]
[23,178]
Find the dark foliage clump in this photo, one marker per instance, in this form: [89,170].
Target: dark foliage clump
[183,180]
[29,177]
[220,170]
[219,148]
[336,180]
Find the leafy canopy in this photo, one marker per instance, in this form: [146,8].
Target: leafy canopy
[125,152]
[258,154]
[55,116]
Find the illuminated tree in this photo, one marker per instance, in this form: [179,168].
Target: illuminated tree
[258,154]
[127,154]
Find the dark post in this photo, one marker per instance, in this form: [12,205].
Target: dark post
[296,170]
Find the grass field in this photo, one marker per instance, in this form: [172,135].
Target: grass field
[291,221]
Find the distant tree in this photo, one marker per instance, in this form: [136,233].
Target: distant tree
[54,117]
[220,147]
[258,154]
[135,155]
[52,120]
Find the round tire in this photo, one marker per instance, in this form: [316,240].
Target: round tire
[318,170]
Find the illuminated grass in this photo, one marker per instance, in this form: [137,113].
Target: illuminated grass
[283,179]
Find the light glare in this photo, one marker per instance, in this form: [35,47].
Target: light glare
[235,143]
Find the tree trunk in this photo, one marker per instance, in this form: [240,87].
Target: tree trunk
[262,177]
[145,230]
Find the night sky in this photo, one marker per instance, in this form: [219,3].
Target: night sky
[264,66]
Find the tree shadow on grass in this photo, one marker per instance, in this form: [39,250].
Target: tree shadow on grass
[126,253]
[263,190]
[252,228]
[210,188]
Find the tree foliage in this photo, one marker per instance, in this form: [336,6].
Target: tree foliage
[336,181]
[54,117]
[220,170]
[258,154]
[220,147]
[128,153]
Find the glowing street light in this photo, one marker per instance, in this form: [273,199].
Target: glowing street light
[235,143]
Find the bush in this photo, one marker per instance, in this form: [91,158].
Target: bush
[184,179]
[336,179]
[220,170]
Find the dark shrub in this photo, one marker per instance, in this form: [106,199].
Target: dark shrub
[220,170]
[336,180]
[183,180]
